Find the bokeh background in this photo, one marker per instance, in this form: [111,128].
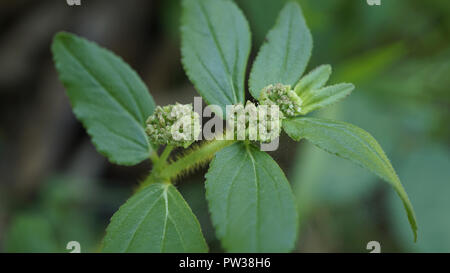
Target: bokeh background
[55,188]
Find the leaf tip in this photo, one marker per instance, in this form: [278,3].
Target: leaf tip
[326,68]
[61,36]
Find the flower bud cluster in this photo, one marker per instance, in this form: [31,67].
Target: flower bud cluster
[176,125]
[282,95]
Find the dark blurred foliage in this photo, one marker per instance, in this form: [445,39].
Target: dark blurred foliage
[55,188]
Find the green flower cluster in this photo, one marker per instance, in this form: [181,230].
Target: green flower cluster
[176,125]
[283,96]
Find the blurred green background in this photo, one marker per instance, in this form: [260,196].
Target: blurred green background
[55,188]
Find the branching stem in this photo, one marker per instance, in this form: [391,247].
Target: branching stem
[194,157]
[163,171]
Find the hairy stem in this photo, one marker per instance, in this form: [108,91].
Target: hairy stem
[193,158]
[163,172]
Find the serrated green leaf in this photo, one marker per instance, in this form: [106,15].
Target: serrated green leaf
[215,45]
[251,202]
[314,80]
[156,219]
[325,96]
[352,143]
[285,54]
[107,96]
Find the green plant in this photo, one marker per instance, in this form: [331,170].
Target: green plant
[250,200]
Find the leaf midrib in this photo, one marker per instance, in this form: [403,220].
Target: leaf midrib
[202,63]
[222,57]
[258,228]
[127,84]
[288,40]
[174,222]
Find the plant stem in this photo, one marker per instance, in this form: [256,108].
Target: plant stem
[154,157]
[194,158]
[165,154]
[162,172]
[159,162]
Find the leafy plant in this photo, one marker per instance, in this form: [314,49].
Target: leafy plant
[250,200]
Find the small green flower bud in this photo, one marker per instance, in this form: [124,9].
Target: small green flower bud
[176,125]
[282,95]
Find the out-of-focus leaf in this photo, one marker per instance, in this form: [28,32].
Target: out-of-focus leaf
[342,182]
[366,66]
[426,173]
[251,203]
[321,179]
[156,219]
[424,79]
[107,96]
[285,54]
[31,233]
